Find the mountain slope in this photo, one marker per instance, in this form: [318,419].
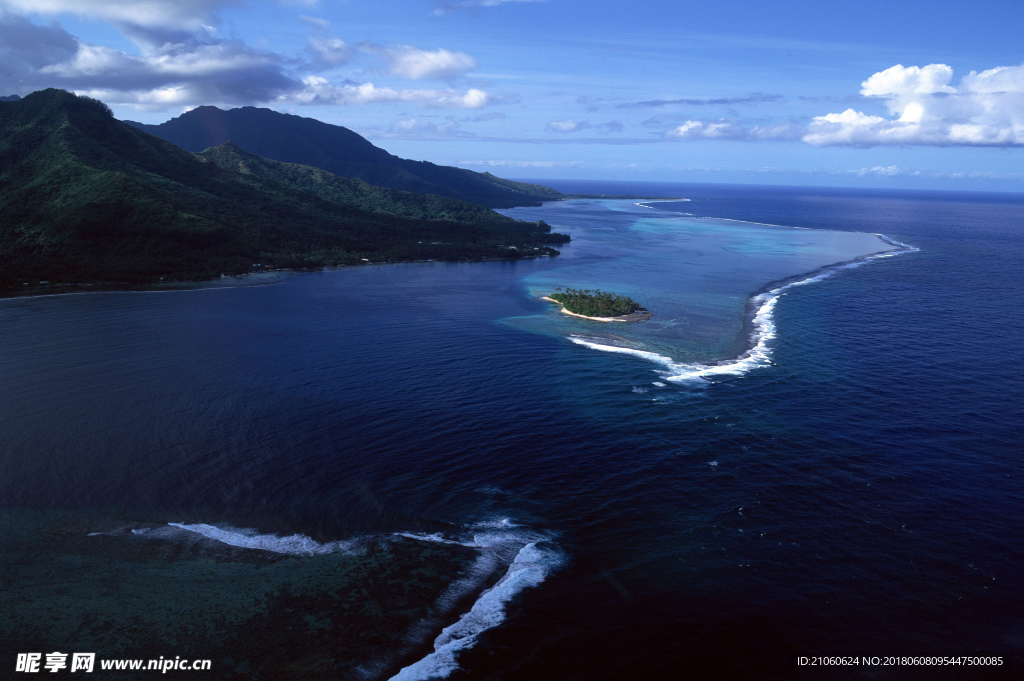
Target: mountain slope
[85,197]
[350,191]
[293,139]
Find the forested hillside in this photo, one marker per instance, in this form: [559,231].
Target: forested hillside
[84,197]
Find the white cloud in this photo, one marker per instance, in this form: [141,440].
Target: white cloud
[567,125]
[450,7]
[984,109]
[435,127]
[882,171]
[900,80]
[450,99]
[315,21]
[330,51]
[187,69]
[180,62]
[179,14]
[412,62]
[570,125]
[178,74]
[93,61]
[727,129]
[420,125]
[155,99]
[522,164]
[897,171]
[25,48]
[427,128]
[319,90]
[225,72]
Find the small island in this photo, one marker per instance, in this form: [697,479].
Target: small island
[599,305]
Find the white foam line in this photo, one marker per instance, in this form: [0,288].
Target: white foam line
[759,355]
[652,356]
[643,204]
[434,537]
[498,541]
[746,222]
[906,248]
[503,523]
[485,566]
[764,224]
[295,545]
[531,566]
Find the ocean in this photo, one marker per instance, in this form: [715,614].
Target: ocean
[806,465]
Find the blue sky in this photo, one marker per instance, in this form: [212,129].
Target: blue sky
[884,94]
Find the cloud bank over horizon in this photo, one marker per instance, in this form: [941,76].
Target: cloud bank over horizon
[726,129]
[984,109]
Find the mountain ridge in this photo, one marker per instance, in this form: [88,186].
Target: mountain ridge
[295,139]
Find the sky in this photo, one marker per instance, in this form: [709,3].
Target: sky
[910,94]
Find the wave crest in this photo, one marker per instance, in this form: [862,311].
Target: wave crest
[759,353]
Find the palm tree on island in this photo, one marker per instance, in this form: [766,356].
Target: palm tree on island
[599,305]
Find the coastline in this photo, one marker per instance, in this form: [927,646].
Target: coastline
[240,279]
[639,316]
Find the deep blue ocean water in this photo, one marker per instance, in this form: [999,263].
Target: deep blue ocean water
[351,458]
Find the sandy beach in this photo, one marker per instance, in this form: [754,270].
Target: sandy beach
[638,316]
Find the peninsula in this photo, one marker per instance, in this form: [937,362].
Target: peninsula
[88,199]
[599,305]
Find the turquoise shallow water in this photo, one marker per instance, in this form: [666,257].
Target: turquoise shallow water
[314,479]
[696,274]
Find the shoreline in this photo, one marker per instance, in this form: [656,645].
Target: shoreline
[210,283]
[639,316]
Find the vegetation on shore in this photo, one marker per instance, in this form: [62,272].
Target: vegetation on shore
[87,198]
[595,303]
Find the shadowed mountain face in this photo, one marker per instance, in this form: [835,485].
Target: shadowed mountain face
[84,197]
[351,191]
[293,139]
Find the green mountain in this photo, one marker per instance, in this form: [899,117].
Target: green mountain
[84,197]
[293,139]
[350,191]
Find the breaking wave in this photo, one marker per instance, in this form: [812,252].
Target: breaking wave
[529,558]
[523,558]
[762,333]
[294,545]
